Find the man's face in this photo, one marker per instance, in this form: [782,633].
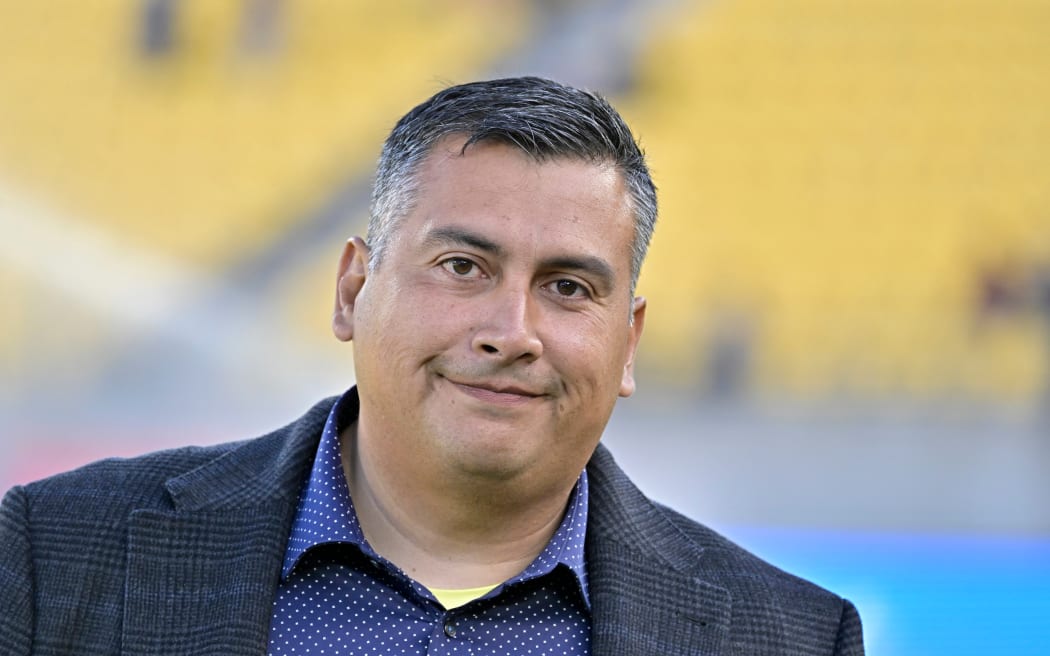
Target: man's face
[495,335]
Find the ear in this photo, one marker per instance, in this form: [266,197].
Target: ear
[353,270]
[638,316]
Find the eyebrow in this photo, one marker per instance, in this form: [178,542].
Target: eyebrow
[595,267]
[451,235]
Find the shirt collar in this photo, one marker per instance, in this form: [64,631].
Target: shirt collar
[326,513]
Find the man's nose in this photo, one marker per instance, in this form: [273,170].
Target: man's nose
[509,330]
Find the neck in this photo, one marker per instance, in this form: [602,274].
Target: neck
[446,533]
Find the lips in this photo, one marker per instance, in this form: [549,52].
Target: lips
[502,389]
[497,392]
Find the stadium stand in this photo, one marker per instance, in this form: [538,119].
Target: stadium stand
[201,132]
[206,151]
[836,179]
[853,194]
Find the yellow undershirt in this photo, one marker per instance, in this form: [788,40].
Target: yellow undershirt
[455,598]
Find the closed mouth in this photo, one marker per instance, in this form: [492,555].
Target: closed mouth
[496,391]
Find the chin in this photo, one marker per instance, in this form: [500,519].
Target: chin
[487,460]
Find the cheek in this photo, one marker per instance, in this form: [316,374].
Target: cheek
[591,356]
[444,316]
[408,331]
[381,333]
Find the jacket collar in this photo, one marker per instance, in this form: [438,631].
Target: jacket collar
[647,582]
[201,577]
[256,471]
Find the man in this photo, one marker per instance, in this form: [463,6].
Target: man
[456,500]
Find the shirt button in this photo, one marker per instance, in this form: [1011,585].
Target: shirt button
[450,629]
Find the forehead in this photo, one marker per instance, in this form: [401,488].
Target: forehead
[503,171]
[495,187]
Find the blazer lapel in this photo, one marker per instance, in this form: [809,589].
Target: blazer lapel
[201,578]
[647,591]
[202,583]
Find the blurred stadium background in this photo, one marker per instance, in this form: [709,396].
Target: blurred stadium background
[846,364]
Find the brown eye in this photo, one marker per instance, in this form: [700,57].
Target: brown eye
[567,287]
[459,266]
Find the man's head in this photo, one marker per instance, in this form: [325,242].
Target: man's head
[496,326]
[544,119]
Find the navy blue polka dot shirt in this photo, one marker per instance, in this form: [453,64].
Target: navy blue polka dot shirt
[338,596]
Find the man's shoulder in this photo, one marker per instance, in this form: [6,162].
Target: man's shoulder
[135,480]
[646,555]
[650,529]
[733,565]
[145,481]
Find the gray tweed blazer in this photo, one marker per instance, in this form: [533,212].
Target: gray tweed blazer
[179,552]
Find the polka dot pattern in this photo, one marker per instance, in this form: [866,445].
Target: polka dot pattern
[338,596]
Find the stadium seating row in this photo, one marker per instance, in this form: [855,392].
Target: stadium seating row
[853,194]
[838,181]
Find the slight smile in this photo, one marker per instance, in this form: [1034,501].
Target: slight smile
[495,393]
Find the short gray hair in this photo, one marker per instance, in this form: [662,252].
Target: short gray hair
[544,119]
